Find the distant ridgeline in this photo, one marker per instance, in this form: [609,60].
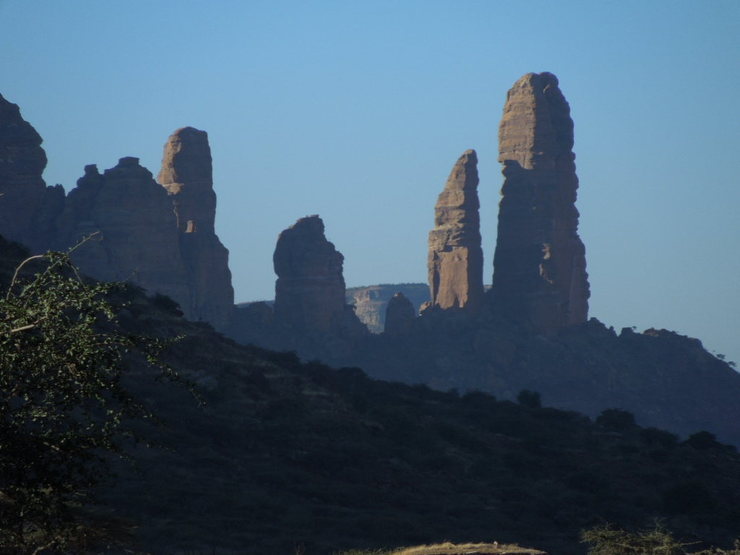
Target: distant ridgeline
[530,330]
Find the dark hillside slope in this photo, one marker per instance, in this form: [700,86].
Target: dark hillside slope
[668,380]
[286,453]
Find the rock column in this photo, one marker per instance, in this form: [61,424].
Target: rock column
[187,176]
[539,265]
[309,291]
[455,260]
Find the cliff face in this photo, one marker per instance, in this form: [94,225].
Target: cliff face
[27,206]
[455,261]
[161,239]
[187,175]
[539,265]
[310,290]
[371,302]
[138,238]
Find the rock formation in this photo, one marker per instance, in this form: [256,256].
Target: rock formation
[539,265]
[187,176]
[455,260]
[310,290]
[27,206]
[400,314]
[371,302]
[138,238]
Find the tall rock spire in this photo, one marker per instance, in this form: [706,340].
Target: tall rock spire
[187,176]
[540,264]
[455,260]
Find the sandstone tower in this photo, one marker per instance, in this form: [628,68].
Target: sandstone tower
[455,260]
[539,265]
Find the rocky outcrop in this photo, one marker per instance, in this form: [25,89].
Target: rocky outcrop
[539,265]
[371,302]
[137,234]
[187,176]
[28,207]
[455,260]
[310,290]
[399,315]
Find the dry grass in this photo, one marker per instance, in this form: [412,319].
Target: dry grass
[468,549]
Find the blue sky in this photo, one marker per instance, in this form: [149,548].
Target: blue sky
[357,111]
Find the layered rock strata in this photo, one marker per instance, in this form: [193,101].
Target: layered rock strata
[455,261]
[310,289]
[539,265]
[187,175]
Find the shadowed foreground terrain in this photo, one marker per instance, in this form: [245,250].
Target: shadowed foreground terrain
[288,454]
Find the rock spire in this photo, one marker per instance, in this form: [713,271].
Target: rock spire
[187,176]
[539,264]
[455,261]
[310,289]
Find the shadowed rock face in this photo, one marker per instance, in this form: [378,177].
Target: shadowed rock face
[187,176]
[539,265]
[399,315]
[27,206]
[455,260]
[138,238]
[309,291]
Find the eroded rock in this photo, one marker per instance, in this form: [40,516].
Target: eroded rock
[187,175]
[137,234]
[28,208]
[539,265]
[455,261]
[309,291]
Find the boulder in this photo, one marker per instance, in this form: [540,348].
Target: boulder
[539,264]
[455,262]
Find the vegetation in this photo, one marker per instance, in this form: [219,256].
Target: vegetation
[607,540]
[63,408]
[288,454]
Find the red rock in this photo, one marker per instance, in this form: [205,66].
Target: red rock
[539,265]
[187,175]
[310,289]
[455,261]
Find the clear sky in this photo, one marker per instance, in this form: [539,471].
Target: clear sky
[357,110]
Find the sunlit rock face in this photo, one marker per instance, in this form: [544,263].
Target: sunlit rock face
[137,237]
[455,261]
[309,291]
[187,175]
[539,265]
[28,208]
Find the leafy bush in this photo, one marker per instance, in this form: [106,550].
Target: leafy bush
[63,408]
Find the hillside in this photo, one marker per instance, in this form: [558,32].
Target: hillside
[286,453]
